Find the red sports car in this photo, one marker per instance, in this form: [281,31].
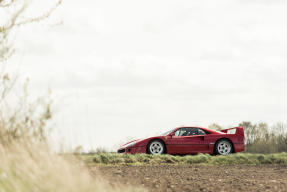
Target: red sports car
[189,140]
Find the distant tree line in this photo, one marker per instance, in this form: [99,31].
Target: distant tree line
[262,138]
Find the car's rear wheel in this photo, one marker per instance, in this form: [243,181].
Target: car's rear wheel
[156,147]
[223,147]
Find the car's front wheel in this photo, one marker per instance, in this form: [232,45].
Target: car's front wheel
[156,147]
[223,147]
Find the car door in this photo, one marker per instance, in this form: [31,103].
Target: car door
[187,140]
[202,143]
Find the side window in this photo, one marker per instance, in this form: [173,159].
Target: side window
[193,131]
[180,132]
[186,131]
[201,132]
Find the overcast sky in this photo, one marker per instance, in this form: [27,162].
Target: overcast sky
[131,68]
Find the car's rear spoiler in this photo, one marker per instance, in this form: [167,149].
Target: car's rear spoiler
[234,130]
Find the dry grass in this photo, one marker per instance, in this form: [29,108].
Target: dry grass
[26,167]
[26,162]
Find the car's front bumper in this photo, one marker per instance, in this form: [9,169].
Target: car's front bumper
[132,150]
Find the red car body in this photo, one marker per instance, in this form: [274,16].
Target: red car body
[191,144]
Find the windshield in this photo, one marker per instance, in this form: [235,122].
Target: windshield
[168,132]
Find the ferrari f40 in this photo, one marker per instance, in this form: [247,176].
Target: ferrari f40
[189,140]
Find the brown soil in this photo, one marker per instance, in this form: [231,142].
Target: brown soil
[199,177]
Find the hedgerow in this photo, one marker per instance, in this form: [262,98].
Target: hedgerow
[147,159]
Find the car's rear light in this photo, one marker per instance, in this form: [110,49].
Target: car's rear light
[121,150]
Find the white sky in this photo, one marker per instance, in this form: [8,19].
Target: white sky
[132,68]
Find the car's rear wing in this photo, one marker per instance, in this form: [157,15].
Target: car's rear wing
[234,130]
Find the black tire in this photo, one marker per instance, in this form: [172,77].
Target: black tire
[223,147]
[156,147]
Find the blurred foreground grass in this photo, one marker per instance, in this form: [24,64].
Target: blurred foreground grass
[26,167]
[146,159]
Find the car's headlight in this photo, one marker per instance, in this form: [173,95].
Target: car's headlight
[131,144]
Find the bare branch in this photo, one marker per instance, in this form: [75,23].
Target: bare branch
[41,17]
[5,50]
[6,3]
[27,118]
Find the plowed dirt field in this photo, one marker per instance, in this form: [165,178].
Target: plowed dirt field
[199,177]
